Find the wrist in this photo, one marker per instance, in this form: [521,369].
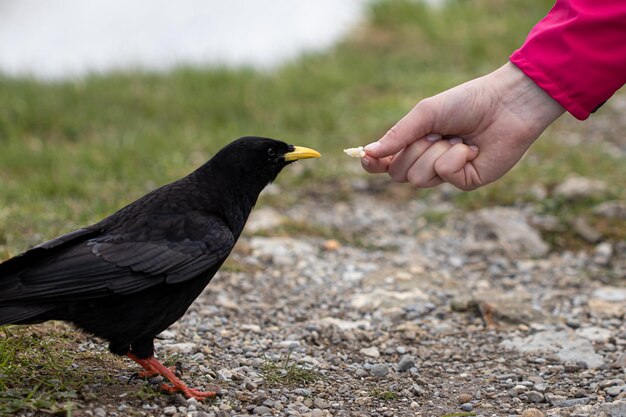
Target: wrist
[520,95]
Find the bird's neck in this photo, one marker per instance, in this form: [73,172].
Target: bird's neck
[231,196]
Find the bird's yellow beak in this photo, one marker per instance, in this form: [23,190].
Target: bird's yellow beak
[300,152]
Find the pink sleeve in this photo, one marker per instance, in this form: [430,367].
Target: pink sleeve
[577,53]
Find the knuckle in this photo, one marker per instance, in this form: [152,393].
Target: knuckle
[397,175]
[393,133]
[417,179]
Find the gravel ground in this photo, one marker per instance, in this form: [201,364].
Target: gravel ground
[474,315]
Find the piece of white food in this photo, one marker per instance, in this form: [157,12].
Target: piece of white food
[355,152]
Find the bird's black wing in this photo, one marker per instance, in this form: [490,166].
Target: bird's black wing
[163,249]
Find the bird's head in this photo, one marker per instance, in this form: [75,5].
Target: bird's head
[258,160]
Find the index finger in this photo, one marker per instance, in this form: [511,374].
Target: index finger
[415,125]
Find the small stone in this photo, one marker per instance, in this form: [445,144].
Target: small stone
[169,410]
[603,253]
[225,374]
[533,412]
[261,410]
[464,398]
[580,187]
[331,245]
[611,382]
[620,362]
[372,352]
[614,391]
[186,348]
[534,397]
[467,407]
[407,362]
[302,391]
[100,412]
[320,403]
[380,369]
[585,230]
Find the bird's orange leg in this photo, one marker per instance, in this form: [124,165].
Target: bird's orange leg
[153,367]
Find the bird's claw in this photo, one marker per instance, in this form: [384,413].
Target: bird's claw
[192,392]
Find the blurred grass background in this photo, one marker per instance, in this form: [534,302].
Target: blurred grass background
[73,152]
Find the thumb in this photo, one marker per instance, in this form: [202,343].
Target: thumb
[412,127]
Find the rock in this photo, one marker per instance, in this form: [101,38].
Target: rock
[225,374]
[585,230]
[372,352]
[169,410]
[611,209]
[603,253]
[320,403]
[331,245]
[532,412]
[167,335]
[264,218]
[515,308]
[384,299]
[534,397]
[186,348]
[509,228]
[595,334]
[100,412]
[610,383]
[406,362]
[608,409]
[467,407]
[289,344]
[567,347]
[464,398]
[379,369]
[302,391]
[614,391]
[345,324]
[281,250]
[612,294]
[574,188]
[259,410]
[620,362]
[606,309]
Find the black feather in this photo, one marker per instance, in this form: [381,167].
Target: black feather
[130,276]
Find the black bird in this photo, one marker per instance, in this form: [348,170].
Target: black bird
[130,276]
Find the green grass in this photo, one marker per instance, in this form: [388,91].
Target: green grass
[72,152]
[41,370]
[382,394]
[286,372]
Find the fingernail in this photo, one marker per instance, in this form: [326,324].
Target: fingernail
[455,141]
[433,137]
[474,148]
[365,162]
[372,146]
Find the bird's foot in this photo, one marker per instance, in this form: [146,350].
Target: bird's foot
[191,392]
[153,367]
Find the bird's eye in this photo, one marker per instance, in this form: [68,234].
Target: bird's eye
[271,152]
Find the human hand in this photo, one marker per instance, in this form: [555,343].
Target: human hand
[488,123]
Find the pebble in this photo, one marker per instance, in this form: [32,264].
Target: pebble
[534,397]
[464,398]
[261,410]
[532,412]
[467,407]
[100,412]
[372,352]
[615,390]
[407,362]
[379,369]
[169,410]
